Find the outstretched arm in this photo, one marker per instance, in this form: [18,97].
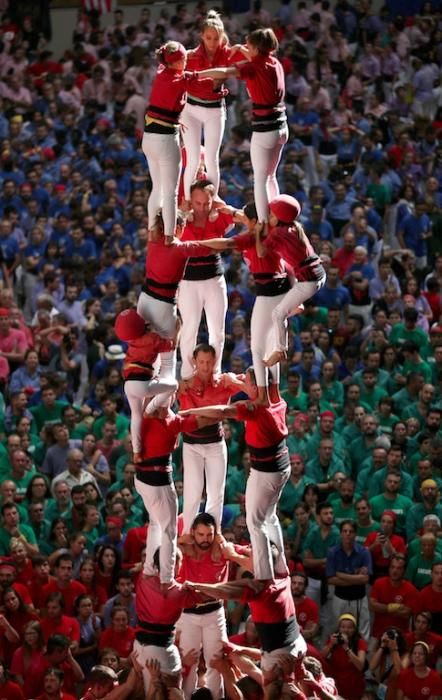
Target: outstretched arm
[232,590]
[217,412]
[218,73]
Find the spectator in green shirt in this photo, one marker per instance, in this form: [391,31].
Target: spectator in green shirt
[395,462]
[343,507]
[413,362]
[11,527]
[371,392]
[364,522]
[371,466]
[425,471]
[49,410]
[430,505]
[419,567]
[110,415]
[392,500]
[385,415]
[361,447]
[410,392]
[408,330]
[293,490]
[430,523]
[295,398]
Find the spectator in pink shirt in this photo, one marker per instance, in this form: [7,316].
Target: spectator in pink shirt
[13,344]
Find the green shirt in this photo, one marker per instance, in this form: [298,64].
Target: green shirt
[318,475]
[295,403]
[419,570]
[399,505]
[44,416]
[317,546]
[415,517]
[382,378]
[121,422]
[334,394]
[373,396]
[5,538]
[414,547]
[292,494]
[399,334]
[363,532]
[376,484]
[422,368]
[342,512]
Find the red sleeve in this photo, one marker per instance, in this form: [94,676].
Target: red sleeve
[186,424]
[248,594]
[246,70]
[23,592]
[75,629]
[245,411]
[190,249]
[244,241]
[162,344]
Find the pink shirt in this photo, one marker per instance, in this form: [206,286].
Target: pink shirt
[14,341]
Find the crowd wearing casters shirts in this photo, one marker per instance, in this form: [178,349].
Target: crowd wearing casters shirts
[221,353]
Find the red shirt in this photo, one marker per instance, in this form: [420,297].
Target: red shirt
[69,682]
[72,591]
[122,642]
[419,688]
[11,691]
[294,247]
[431,601]
[306,611]
[25,575]
[264,425]
[204,570]
[343,259]
[165,267]
[98,595]
[67,625]
[153,606]
[29,670]
[349,681]
[197,60]
[168,94]
[62,696]
[241,640]
[13,341]
[197,394]
[159,435]
[379,561]
[265,83]
[204,268]
[265,270]
[133,545]
[142,353]
[383,591]
[433,640]
[273,604]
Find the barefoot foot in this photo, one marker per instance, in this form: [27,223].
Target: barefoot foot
[275,357]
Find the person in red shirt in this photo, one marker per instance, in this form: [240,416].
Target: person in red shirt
[138,369]
[119,635]
[383,544]
[204,450]
[205,109]
[346,652]
[393,600]
[265,435]
[203,286]
[55,622]
[133,545]
[53,686]
[423,633]
[8,689]
[58,655]
[87,577]
[307,612]
[419,682]
[248,638]
[13,343]
[17,615]
[154,483]
[161,132]
[265,83]
[157,617]
[63,583]
[287,237]
[430,598]
[28,659]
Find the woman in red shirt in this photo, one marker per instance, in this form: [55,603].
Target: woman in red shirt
[28,660]
[87,577]
[205,108]
[346,652]
[119,635]
[106,568]
[419,681]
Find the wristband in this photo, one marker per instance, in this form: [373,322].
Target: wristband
[393,607]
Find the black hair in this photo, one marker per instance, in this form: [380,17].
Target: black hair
[204,519]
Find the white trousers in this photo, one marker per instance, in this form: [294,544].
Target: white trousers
[136,391]
[162,317]
[358,608]
[270,659]
[162,505]
[262,495]
[194,297]
[195,119]
[296,296]
[169,658]
[265,154]
[199,461]
[262,340]
[208,632]
[163,155]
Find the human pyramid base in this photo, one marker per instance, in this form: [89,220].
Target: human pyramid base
[184,270]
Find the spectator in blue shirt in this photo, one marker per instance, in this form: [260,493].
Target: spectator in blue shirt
[317,224]
[333,293]
[414,231]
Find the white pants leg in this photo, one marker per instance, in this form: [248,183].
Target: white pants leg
[163,155]
[358,608]
[210,295]
[296,296]
[271,658]
[199,461]
[190,304]
[262,495]
[136,391]
[194,119]
[265,154]
[209,632]
[169,658]
[162,505]
[262,341]
[162,317]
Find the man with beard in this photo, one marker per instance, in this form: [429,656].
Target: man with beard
[307,612]
[203,626]
[430,506]
[344,508]
[391,499]
[433,422]
[363,446]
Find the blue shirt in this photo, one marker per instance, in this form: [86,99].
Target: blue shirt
[338,560]
[332,297]
[412,228]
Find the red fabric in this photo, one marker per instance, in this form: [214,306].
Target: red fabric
[133,545]
[433,640]
[343,259]
[69,682]
[379,561]
[159,435]
[211,229]
[72,591]
[145,350]
[307,611]
[63,696]
[241,640]
[105,582]
[349,681]
[419,688]
[11,691]
[273,604]
[204,570]
[26,575]
[293,247]
[13,341]
[383,591]
[169,92]
[29,668]
[264,425]
[121,642]
[68,626]
[98,595]
[198,60]
[165,265]
[265,83]
[271,263]
[36,591]
[153,606]
[430,600]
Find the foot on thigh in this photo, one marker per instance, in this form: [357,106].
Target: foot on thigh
[275,357]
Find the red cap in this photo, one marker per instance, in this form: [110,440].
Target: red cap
[285,208]
[436,329]
[60,188]
[173,56]
[4,311]
[327,414]
[114,520]
[129,325]
[391,514]
[300,418]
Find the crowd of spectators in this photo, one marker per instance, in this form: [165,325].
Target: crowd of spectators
[363,380]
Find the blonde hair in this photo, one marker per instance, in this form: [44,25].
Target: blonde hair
[213,21]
